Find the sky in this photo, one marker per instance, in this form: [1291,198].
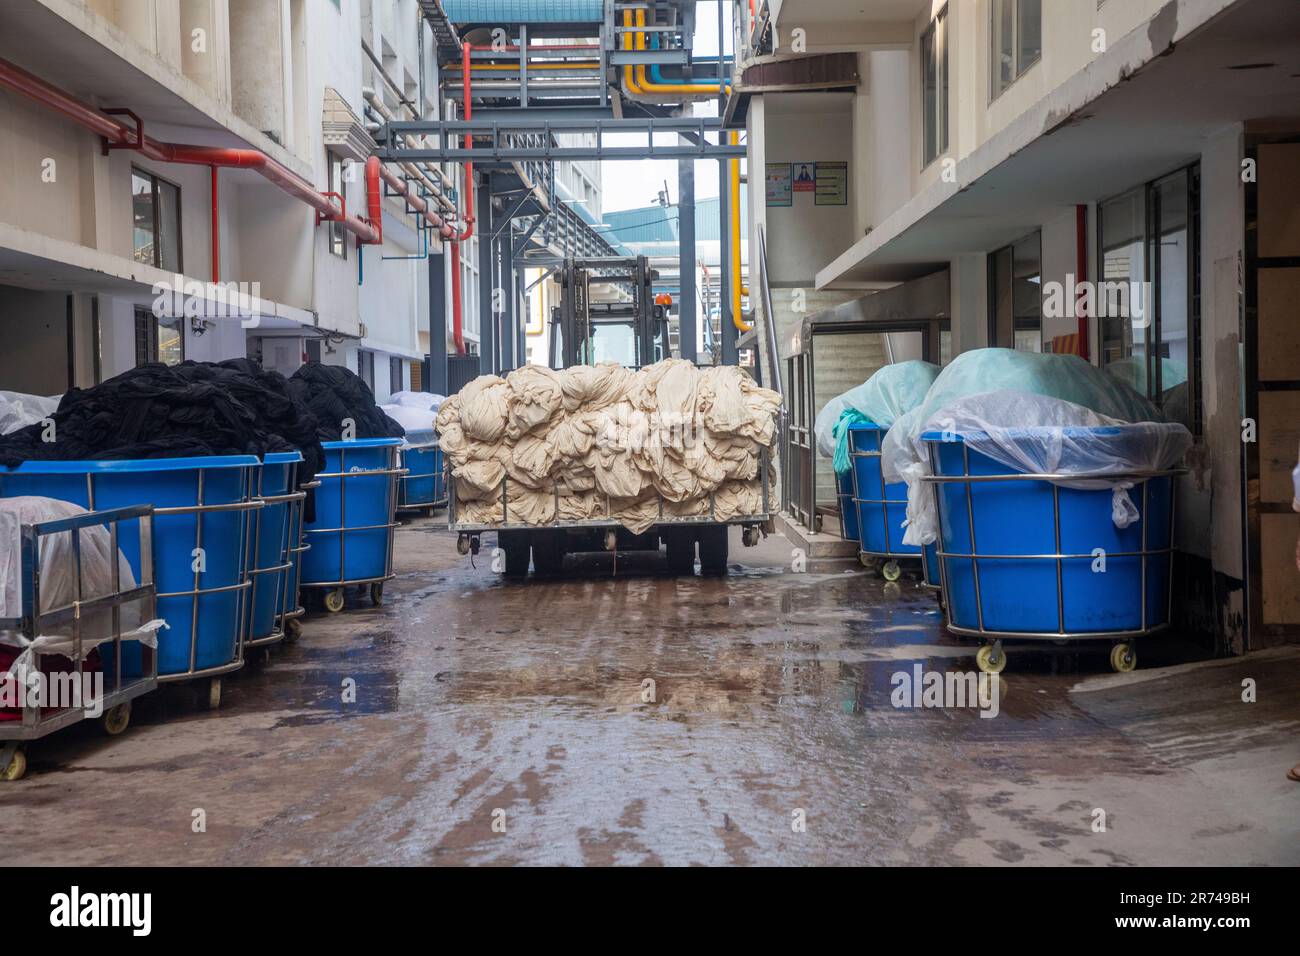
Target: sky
[634,183]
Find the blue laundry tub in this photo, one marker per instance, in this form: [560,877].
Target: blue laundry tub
[848,510]
[930,566]
[351,539]
[1010,585]
[881,508]
[199,503]
[276,529]
[425,485]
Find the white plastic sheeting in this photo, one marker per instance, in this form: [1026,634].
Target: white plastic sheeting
[417,422]
[18,410]
[427,401]
[1036,434]
[884,398]
[59,583]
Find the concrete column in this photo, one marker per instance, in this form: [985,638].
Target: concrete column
[968,275]
[688,330]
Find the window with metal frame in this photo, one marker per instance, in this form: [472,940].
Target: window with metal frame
[1015,290]
[158,339]
[934,88]
[1148,300]
[1016,41]
[395,383]
[366,367]
[155,220]
[338,236]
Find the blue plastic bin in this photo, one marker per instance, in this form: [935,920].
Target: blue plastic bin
[881,508]
[275,533]
[930,566]
[425,485]
[351,539]
[848,510]
[198,503]
[1023,581]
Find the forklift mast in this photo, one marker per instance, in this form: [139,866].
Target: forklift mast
[623,325]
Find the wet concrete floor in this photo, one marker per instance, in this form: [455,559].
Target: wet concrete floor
[506,723]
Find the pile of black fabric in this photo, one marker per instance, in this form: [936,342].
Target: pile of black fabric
[333,394]
[189,410]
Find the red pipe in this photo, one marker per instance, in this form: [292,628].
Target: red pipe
[216,231]
[403,188]
[119,134]
[374,200]
[1081,268]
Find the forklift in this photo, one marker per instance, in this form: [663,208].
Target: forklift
[626,325]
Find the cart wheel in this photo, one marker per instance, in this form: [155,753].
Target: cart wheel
[891,571]
[991,659]
[377,593]
[867,561]
[334,600]
[115,719]
[214,693]
[292,629]
[1123,658]
[17,768]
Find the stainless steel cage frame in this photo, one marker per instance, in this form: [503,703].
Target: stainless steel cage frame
[291,518]
[889,554]
[291,603]
[33,622]
[404,482]
[393,472]
[199,509]
[609,523]
[1145,553]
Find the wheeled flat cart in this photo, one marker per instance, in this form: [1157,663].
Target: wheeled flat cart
[1025,560]
[350,542]
[90,636]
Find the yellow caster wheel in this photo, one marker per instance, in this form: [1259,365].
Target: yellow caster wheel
[891,571]
[292,629]
[991,659]
[1123,658]
[377,593]
[867,561]
[116,719]
[214,693]
[17,768]
[334,600]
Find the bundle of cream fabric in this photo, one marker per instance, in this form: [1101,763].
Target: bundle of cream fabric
[606,442]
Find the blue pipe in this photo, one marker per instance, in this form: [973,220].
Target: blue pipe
[657,73]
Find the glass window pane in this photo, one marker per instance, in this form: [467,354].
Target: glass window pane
[1027,294]
[1120,302]
[929,94]
[1003,53]
[1175,261]
[942,39]
[1029,33]
[169,227]
[142,223]
[171,341]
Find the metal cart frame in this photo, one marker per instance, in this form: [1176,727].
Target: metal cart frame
[211,674]
[991,657]
[292,518]
[289,616]
[890,570]
[429,507]
[334,596]
[116,701]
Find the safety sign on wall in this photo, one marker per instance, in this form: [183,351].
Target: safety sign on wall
[779,178]
[832,184]
[805,177]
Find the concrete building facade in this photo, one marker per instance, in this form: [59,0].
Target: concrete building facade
[1017,149]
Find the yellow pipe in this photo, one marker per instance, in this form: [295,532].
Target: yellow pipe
[629,75]
[736,285]
[640,83]
[574,65]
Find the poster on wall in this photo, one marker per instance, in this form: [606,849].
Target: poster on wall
[779,177]
[832,184]
[805,177]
